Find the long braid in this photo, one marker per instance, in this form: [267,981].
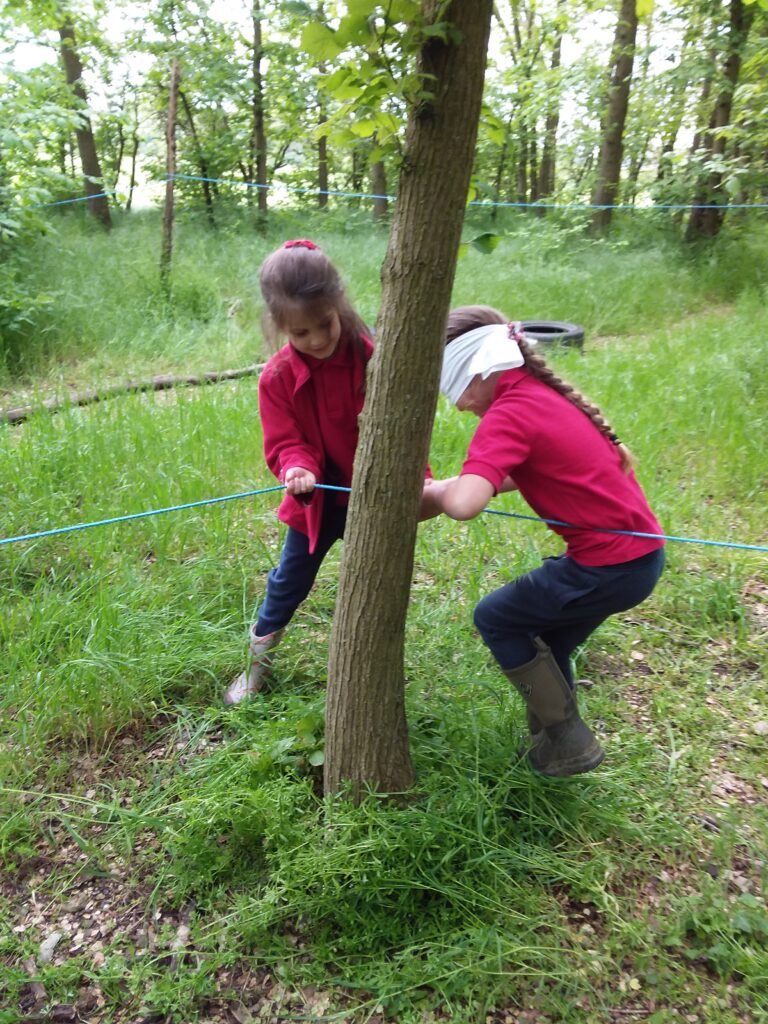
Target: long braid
[467,318]
[538,368]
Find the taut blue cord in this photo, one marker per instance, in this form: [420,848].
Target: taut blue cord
[330,487]
[480,202]
[80,199]
[137,515]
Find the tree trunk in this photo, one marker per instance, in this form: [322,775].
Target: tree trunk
[134,157]
[612,144]
[202,163]
[379,186]
[170,166]
[533,166]
[706,219]
[501,167]
[259,136]
[322,161]
[522,163]
[117,166]
[89,159]
[366,728]
[546,187]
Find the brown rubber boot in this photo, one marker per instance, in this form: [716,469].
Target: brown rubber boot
[564,745]
[251,681]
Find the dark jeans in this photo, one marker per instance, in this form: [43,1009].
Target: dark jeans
[562,602]
[291,580]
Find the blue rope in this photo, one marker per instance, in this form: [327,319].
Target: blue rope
[136,515]
[481,202]
[346,490]
[80,199]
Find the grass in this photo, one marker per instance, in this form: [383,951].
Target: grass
[181,849]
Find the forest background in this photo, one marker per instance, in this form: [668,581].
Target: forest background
[167,859]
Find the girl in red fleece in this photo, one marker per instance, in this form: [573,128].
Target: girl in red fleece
[310,396]
[540,436]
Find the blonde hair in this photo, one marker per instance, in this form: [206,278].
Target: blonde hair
[467,318]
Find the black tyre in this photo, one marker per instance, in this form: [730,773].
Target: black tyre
[554,331]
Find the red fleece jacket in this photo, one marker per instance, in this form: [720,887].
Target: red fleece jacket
[309,409]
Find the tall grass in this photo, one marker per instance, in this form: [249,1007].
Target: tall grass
[108,316]
[494,891]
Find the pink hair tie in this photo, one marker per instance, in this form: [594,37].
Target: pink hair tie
[516,332]
[299,243]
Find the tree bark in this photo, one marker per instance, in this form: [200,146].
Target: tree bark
[259,135]
[202,162]
[612,144]
[170,165]
[707,217]
[379,186]
[366,727]
[322,161]
[134,157]
[89,158]
[552,122]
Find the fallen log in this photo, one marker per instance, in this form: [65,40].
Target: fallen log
[161,383]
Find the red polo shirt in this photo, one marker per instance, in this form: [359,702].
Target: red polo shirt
[565,469]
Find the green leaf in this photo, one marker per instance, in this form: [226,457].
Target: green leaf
[316,758]
[354,30]
[320,42]
[363,129]
[644,8]
[404,10]
[486,242]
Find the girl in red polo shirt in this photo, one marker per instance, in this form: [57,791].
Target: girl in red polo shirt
[540,436]
[310,396]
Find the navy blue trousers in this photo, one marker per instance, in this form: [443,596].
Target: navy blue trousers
[291,580]
[563,603]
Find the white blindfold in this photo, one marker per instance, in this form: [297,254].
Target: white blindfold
[482,351]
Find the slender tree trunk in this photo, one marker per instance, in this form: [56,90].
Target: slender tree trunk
[134,157]
[533,166]
[366,728]
[357,177]
[322,161]
[612,145]
[89,158]
[259,135]
[635,167]
[202,162]
[501,167]
[170,167]
[546,187]
[706,219]
[118,164]
[379,186]
[522,164]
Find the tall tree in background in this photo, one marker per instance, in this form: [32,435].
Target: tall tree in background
[549,148]
[366,728]
[258,162]
[89,159]
[170,164]
[707,217]
[612,143]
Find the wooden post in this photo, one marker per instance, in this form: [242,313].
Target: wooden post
[170,164]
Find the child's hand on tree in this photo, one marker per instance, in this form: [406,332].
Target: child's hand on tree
[299,480]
